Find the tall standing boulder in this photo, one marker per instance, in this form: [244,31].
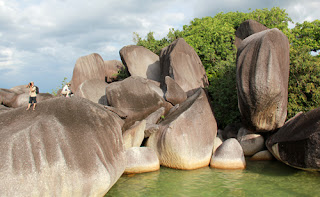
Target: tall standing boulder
[93,90]
[297,142]
[186,136]
[141,62]
[66,147]
[246,29]
[262,80]
[137,97]
[87,67]
[180,61]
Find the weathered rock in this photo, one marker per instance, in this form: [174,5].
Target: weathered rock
[117,111]
[150,129]
[11,98]
[264,155]
[228,155]
[140,160]
[67,147]
[217,142]
[137,97]
[86,68]
[246,29]
[111,70]
[134,136]
[4,108]
[141,62]
[230,131]
[185,141]
[251,143]
[93,90]
[7,97]
[20,89]
[154,117]
[23,99]
[262,80]
[297,142]
[174,93]
[180,62]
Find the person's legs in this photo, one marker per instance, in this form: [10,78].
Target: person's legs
[34,102]
[30,102]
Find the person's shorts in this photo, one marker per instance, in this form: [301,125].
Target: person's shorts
[32,99]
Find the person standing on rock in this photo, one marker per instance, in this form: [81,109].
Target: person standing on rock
[32,95]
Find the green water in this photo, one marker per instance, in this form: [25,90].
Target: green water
[267,178]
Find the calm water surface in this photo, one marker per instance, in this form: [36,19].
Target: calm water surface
[267,178]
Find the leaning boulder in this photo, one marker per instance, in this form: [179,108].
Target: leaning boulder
[137,97]
[185,140]
[262,80]
[93,90]
[174,93]
[140,160]
[251,143]
[66,147]
[180,62]
[297,142]
[134,136]
[141,62]
[86,68]
[229,155]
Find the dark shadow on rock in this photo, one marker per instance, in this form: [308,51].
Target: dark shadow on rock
[103,100]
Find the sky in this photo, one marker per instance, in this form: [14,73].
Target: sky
[41,40]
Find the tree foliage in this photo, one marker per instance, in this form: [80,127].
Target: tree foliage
[213,40]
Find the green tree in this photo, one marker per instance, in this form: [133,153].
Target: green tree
[213,40]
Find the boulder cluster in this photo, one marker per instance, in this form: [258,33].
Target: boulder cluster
[160,115]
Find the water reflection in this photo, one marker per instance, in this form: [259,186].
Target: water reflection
[260,178]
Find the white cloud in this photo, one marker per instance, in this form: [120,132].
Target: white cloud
[43,39]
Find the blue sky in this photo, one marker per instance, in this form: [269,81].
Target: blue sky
[41,40]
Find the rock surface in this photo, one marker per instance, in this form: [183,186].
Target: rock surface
[86,68]
[228,155]
[93,90]
[111,69]
[137,97]
[262,80]
[134,136]
[140,160]
[174,93]
[180,62]
[264,155]
[67,147]
[246,29]
[141,62]
[184,141]
[297,142]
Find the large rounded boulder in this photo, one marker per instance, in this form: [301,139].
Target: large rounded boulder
[141,62]
[180,62]
[137,97]
[186,136]
[297,142]
[262,80]
[66,147]
[112,68]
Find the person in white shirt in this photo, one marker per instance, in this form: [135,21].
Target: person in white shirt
[66,90]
